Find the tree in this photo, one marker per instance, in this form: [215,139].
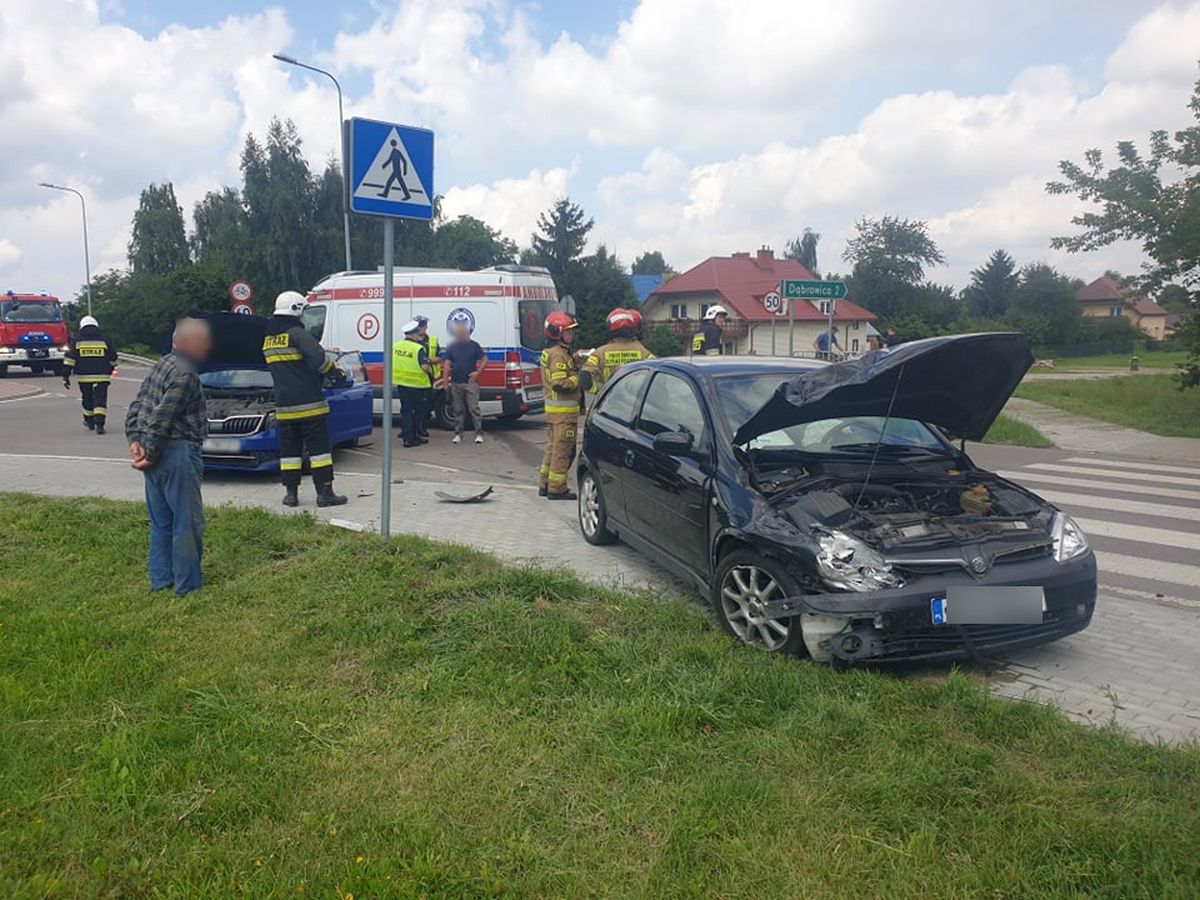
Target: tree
[1153,199]
[599,284]
[650,263]
[992,286]
[159,242]
[804,250]
[889,257]
[1044,305]
[1176,299]
[561,237]
[468,243]
[662,341]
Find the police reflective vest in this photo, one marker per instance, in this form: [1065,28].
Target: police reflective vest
[298,366]
[89,357]
[606,359]
[560,377]
[434,365]
[406,365]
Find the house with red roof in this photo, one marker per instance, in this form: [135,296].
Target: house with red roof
[740,283]
[1104,298]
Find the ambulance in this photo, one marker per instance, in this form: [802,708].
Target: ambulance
[505,307]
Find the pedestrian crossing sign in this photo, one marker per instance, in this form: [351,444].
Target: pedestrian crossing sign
[391,169]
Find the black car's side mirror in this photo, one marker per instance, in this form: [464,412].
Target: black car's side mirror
[673,443]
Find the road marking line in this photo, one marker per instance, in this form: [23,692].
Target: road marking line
[436,466]
[1119,505]
[1114,473]
[1149,595]
[1141,467]
[1153,569]
[1147,489]
[1161,537]
[32,396]
[124,459]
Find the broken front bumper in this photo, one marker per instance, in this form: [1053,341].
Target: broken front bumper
[895,625]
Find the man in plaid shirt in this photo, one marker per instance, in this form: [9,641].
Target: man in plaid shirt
[165,427]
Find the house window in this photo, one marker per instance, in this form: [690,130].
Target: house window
[824,306]
[678,310]
[854,325]
[703,309]
[854,345]
[1115,311]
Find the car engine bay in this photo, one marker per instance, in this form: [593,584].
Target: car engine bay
[911,511]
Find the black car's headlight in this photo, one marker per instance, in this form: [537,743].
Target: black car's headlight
[848,563]
[1068,538]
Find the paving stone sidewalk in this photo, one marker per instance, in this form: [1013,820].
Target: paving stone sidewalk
[1078,433]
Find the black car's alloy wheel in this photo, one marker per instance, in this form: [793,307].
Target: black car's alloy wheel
[745,581]
[593,519]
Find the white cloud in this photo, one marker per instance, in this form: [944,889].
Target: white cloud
[510,205]
[10,253]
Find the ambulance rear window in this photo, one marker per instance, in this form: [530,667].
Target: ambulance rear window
[532,314]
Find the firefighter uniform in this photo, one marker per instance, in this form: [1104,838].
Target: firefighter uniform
[606,359]
[91,359]
[560,375]
[298,366]
[707,341]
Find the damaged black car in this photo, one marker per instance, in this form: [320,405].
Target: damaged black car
[831,510]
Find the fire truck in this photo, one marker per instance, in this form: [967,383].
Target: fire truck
[506,307]
[33,332]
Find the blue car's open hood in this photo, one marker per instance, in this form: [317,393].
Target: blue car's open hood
[237,342]
[959,383]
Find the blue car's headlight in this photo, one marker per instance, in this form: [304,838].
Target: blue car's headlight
[1068,538]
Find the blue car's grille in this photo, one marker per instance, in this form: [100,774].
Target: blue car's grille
[235,425]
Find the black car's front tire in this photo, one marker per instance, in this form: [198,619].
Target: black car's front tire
[743,582]
[593,517]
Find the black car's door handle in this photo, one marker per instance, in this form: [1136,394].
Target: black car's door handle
[629,459]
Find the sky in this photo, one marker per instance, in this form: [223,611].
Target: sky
[693,127]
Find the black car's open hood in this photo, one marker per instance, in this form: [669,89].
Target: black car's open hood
[959,383]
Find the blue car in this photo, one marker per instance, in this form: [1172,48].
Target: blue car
[238,391]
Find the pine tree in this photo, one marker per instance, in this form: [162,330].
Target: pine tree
[159,243]
[562,234]
[992,286]
[804,250]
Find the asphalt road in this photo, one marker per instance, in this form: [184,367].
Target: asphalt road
[1137,662]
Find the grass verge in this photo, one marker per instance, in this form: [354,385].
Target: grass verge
[1160,359]
[1150,403]
[1007,430]
[333,717]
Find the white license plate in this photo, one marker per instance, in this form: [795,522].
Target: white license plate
[221,445]
[533,393]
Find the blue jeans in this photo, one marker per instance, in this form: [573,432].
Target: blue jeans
[176,518]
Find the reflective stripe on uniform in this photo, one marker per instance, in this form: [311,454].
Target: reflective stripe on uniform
[302,411]
[712,353]
[68,362]
[290,463]
[87,413]
[320,460]
[557,477]
[93,379]
[100,411]
[275,356]
[559,408]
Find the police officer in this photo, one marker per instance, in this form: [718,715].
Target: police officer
[92,358]
[430,342]
[707,341]
[622,347]
[410,374]
[560,377]
[298,367]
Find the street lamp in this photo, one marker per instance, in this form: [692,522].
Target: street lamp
[292,61]
[87,263]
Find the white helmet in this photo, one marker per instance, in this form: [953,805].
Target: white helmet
[715,310]
[290,303]
[88,320]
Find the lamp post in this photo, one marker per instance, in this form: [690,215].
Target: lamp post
[292,61]
[87,262]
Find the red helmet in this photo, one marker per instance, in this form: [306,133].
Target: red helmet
[620,319]
[557,323]
[637,318]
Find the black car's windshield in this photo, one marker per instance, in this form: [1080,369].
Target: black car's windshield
[237,380]
[34,312]
[741,397]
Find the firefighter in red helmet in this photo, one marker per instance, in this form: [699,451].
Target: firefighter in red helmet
[623,347]
[560,378]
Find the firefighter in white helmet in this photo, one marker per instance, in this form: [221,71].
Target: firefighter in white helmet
[298,367]
[92,360]
[707,341]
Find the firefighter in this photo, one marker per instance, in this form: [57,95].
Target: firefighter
[430,343]
[707,341]
[622,347]
[298,367]
[560,375]
[93,359]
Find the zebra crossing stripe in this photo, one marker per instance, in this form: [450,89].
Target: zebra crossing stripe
[1118,505]
[1160,537]
[1120,474]
[1153,569]
[1144,489]
[1194,471]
